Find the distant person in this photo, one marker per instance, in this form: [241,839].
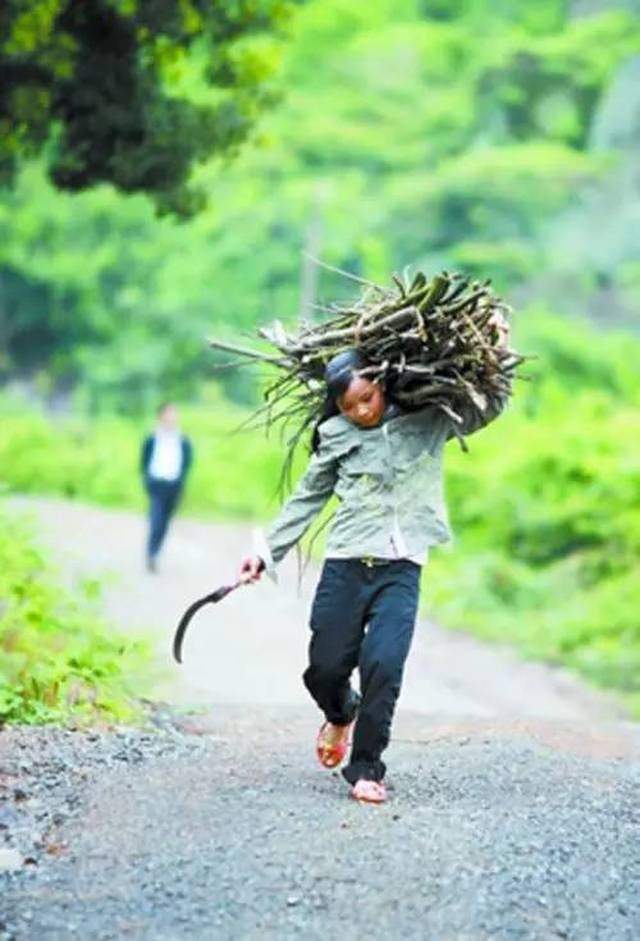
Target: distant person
[165,461]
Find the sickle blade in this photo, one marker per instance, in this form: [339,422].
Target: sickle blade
[192,610]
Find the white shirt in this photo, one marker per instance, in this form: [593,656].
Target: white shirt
[166,457]
[399,548]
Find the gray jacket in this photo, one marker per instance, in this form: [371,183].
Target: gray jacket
[388,479]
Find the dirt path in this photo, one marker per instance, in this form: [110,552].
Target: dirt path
[252,649]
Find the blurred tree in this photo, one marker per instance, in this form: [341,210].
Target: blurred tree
[440,134]
[133,92]
[549,85]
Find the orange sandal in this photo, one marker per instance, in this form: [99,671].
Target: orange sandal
[332,744]
[369,792]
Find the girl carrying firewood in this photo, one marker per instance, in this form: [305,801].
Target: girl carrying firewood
[385,466]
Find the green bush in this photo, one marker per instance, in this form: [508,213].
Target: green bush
[235,472]
[547,511]
[58,660]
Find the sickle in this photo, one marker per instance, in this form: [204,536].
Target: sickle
[193,609]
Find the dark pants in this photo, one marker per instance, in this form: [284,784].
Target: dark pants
[163,499]
[362,616]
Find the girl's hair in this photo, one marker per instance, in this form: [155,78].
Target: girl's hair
[337,377]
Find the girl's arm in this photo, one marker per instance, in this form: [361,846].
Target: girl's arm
[295,517]
[474,418]
[302,507]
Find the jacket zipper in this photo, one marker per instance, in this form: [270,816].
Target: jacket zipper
[396,522]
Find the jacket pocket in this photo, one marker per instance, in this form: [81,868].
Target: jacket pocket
[419,462]
[365,460]
[419,480]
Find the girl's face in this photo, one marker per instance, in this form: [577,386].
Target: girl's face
[363,402]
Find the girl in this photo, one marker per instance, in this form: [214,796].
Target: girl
[385,467]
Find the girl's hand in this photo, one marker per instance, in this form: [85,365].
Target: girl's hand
[251,568]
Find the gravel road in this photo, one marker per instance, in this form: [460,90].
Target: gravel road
[515,790]
[494,833]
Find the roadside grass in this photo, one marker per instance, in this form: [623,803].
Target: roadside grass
[60,662]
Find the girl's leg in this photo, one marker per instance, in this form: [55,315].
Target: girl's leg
[337,626]
[391,614]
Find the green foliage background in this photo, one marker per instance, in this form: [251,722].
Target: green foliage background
[418,132]
[235,474]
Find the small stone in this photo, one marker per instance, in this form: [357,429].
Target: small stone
[10,859]
[9,817]
[293,900]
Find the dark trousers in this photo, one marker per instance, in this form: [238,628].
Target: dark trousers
[362,616]
[163,500]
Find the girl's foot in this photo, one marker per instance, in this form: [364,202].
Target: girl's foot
[369,792]
[332,744]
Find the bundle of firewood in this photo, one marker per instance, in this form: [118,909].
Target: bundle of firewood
[439,342]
